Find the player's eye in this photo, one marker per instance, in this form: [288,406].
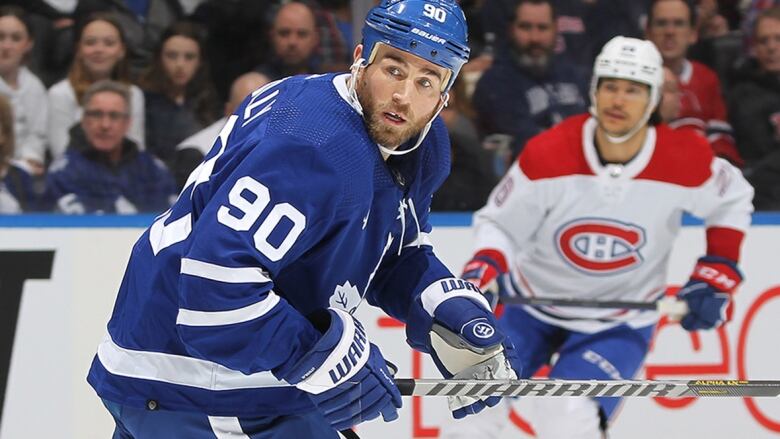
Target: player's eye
[394,71]
[633,90]
[426,83]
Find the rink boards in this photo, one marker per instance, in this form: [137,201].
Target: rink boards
[74,266]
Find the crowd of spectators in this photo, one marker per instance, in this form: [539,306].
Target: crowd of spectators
[107,106]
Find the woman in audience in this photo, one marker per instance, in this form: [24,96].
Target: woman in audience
[26,93]
[180,97]
[16,193]
[100,54]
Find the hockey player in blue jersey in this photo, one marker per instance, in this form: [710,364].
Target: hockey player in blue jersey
[234,317]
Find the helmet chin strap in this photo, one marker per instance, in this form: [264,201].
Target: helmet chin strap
[445,98]
[355,69]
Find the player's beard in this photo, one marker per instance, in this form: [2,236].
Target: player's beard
[379,130]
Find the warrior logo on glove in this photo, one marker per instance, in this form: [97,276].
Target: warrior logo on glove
[483,330]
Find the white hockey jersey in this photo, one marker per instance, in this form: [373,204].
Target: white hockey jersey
[568,226]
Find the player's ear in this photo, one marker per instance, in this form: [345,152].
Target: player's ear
[357,54]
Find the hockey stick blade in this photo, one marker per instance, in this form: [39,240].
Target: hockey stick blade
[591,388]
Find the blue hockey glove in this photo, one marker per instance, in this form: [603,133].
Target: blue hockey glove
[345,375]
[708,293]
[453,323]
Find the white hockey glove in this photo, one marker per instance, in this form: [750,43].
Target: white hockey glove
[459,331]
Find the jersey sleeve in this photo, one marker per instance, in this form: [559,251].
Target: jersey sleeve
[513,213]
[724,201]
[273,207]
[408,268]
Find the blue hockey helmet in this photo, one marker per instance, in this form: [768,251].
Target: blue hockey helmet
[434,30]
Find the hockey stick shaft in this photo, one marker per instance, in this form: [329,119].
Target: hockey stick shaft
[591,388]
[667,306]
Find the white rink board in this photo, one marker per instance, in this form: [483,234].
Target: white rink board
[61,321]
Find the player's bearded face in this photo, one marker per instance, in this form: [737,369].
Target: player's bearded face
[383,131]
[398,96]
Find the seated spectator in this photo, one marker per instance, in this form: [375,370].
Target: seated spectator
[528,88]
[294,42]
[103,171]
[671,26]
[471,177]
[22,88]
[52,26]
[143,23]
[190,152]
[180,98]
[100,55]
[16,183]
[583,26]
[719,42]
[748,25]
[754,105]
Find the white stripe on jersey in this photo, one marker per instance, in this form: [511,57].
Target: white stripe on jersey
[423,239]
[177,369]
[219,273]
[226,428]
[188,317]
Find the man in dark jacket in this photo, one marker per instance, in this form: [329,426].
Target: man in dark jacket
[294,42]
[754,107]
[103,171]
[529,89]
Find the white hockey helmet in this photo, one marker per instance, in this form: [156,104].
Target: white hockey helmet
[635,60]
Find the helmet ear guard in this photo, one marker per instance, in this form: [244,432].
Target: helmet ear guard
[434,30]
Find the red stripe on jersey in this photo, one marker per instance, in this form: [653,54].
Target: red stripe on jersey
[556,152]
[681,157]
[494,255]
[724,242]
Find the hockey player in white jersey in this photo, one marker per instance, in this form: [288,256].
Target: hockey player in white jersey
[590,210]
[234,317]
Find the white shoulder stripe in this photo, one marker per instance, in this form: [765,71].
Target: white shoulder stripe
[422,239]
[189,317]
[178,369]
[223,274]
[226,428]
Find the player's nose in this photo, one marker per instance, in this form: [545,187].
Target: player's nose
[401,91]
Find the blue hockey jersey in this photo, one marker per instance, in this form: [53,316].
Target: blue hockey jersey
[292,210]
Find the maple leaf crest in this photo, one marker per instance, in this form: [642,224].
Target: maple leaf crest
[346,297]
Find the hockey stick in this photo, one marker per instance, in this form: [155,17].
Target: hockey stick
[592,388]
[667,306]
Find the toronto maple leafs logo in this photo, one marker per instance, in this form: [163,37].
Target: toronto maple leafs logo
[346,297]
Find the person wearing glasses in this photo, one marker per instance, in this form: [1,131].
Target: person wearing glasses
[103,171]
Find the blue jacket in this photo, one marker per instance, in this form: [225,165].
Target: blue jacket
[509,100]
[84,181]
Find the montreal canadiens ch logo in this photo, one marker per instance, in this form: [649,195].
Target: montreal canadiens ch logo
[600,246]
